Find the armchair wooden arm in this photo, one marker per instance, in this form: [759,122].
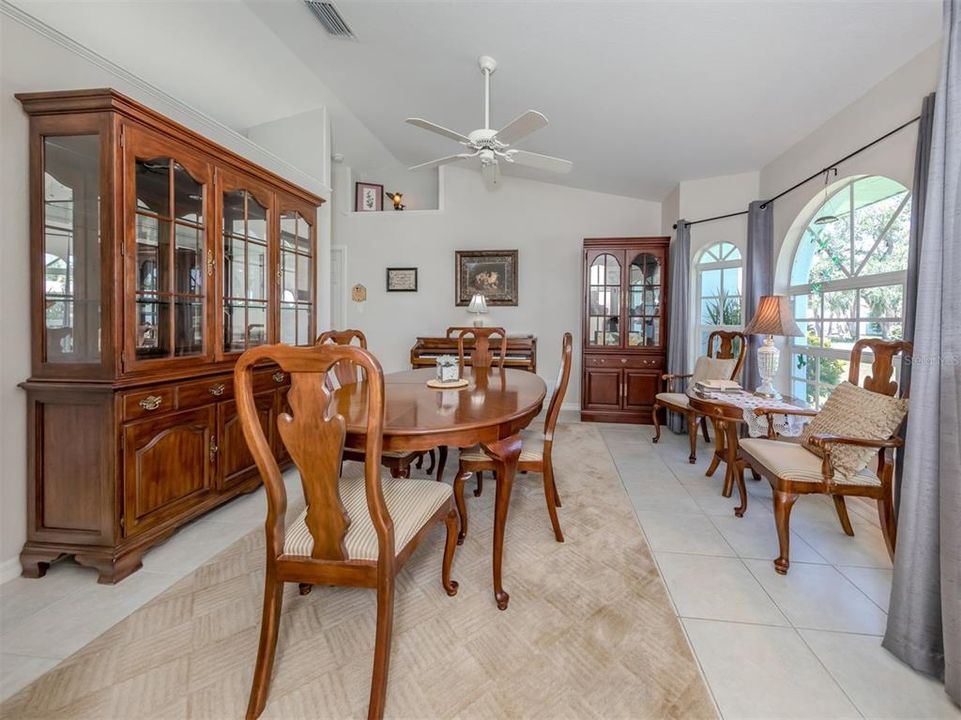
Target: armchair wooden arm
[824,441]
[667,380]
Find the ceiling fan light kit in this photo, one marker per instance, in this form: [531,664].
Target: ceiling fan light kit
[491,146]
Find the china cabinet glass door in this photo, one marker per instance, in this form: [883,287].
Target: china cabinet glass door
[644,301]
[604,310]
[296,278]
[71,249]
[246,270]
[171,258]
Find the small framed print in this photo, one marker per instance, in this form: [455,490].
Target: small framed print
[368,197]
[401,279]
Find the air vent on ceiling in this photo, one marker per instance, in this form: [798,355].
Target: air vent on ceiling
[331,19]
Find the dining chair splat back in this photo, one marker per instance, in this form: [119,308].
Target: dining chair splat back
[481,355]
[721,345]
[357,530]
[536,452]
[346,373]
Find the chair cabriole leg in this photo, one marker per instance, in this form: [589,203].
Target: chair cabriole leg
[783,503]
[549,496]
[269,626]
[842,511]
[450,544]
[657,422]
[459,480]
[385,626]
[692,437]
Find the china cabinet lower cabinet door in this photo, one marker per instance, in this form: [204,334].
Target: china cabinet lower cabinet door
[236,462]
[602,389]
[640,387]
[169,466]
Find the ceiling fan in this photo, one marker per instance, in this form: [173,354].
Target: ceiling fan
[492,146]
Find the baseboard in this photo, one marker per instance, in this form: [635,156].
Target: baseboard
[570,407]
[9,569]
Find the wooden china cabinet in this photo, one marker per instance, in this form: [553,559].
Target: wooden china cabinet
[624,327]
[157,257]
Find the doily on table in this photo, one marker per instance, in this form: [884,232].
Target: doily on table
[790,425]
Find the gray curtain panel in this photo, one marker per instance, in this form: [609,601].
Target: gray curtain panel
[680,297]
[924,622]
[758,278]
[922,161]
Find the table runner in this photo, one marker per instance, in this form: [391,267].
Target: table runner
[790,425]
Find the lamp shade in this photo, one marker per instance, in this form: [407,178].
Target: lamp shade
[478,304]
[774,317]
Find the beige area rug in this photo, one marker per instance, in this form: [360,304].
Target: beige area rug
[589,633]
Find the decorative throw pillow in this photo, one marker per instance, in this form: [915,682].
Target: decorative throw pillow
[854,412]
[712,369]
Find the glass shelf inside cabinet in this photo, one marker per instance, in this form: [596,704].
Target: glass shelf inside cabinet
[296,292]
[604,287]
[71,249]
[246,271]
[644,301]
[170,270]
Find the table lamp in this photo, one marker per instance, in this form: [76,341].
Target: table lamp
[478,306]
[773,317]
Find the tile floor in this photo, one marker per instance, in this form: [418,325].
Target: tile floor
[805,645]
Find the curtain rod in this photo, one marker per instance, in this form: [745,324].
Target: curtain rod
[815,175]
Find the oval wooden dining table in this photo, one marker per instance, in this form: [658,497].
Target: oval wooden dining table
[491,411]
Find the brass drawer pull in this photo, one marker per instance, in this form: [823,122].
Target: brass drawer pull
[623,361]
[279,377]
[151,402]
[217,390]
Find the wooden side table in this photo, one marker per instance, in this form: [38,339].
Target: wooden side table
[726,418]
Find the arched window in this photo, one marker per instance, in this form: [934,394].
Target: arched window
[718,291]
[847,280]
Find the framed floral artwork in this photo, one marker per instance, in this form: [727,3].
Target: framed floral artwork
[368,197]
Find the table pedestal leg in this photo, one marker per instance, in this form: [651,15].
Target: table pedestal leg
[719,436]
[504,453]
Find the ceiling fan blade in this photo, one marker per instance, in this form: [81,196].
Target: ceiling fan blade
[492,174]
[442,161]
[541,162]
[521,126]
[439,129]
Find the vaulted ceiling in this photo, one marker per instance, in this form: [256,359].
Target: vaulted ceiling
[640,94]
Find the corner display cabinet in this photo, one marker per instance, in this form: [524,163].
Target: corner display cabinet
[157,257]
[624,327]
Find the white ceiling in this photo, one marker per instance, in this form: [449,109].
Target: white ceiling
[640,95]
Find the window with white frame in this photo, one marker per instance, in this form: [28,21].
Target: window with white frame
[718,291]
[847,281]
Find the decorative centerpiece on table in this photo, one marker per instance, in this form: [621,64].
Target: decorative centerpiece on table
[448,374]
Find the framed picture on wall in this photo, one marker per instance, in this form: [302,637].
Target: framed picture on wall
[368,197]
[492,273]
[401,279]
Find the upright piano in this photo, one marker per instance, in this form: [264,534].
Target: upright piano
[521,350]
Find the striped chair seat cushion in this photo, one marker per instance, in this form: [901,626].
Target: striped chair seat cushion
[676,399]
[792,462]
[532,450]
[411,503]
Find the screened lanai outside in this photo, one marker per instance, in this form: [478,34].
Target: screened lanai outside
[719,271]
[847,280]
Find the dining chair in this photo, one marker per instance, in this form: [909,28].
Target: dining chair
[398,462]
[481,355]
[724,363]
[357,530]
[536,453]
[811,466]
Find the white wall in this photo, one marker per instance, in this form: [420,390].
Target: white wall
[545,223]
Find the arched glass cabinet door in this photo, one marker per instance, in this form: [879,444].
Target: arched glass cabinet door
[644,301]
[296,273]
[170,255]
[604,290]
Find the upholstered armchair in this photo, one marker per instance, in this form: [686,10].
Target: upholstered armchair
[835,449]
[720,363]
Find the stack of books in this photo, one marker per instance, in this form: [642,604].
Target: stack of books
[703,387]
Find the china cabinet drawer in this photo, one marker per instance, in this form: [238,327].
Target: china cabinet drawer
[155,401]
[202,392]
[621,361]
